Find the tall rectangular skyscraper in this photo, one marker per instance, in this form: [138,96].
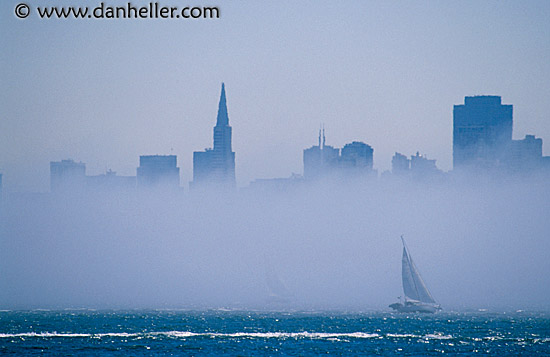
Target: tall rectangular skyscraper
[482,132]
[320,161]
[217,166]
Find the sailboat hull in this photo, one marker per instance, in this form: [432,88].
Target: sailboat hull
[415,307]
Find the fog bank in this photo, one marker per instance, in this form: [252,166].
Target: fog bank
[332,246]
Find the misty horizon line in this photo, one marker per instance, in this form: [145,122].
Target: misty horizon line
[426,168]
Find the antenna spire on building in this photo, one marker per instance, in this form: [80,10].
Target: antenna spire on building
[323,135]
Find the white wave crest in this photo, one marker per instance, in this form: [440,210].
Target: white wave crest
[44,334]
[437,336]
[402,335]
[116,334]
[176,334]
[67,335]
[430,336]
[305,334]
[188,334]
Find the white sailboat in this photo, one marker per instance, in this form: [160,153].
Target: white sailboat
[417,297]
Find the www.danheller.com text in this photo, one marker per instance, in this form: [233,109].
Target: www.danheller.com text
[151,10]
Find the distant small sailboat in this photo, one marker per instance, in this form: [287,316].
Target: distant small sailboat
[278,291]
[417,297]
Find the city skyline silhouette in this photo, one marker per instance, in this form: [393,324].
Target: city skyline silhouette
[386,74]
[482,144]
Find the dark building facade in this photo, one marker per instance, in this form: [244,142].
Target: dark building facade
[482,132]
[216,166]
[353,160]
[357,155]
[400,164]
[320,160]
[417,167]
[525,155]
[422,167]
[158,171]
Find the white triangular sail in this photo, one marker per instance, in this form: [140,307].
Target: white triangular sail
[413,285]
[277,288]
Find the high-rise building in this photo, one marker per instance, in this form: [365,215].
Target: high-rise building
[156,171]
[421,166]
[320,161]
[324,161]
[357,155]
[482,132]
[67,175]
[400,164]
[526,154]
[216,166]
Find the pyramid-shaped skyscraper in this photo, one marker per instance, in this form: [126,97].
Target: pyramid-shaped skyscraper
[216,166]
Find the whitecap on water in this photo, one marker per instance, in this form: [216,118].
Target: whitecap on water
[44,334]
[402,335]
[437,336]
[304,334]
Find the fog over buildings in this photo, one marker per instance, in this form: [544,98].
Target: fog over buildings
[132,177]
[322,240]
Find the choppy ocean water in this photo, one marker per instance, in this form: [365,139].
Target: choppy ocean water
[271,333]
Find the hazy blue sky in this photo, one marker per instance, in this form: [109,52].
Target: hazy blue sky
[383,72]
